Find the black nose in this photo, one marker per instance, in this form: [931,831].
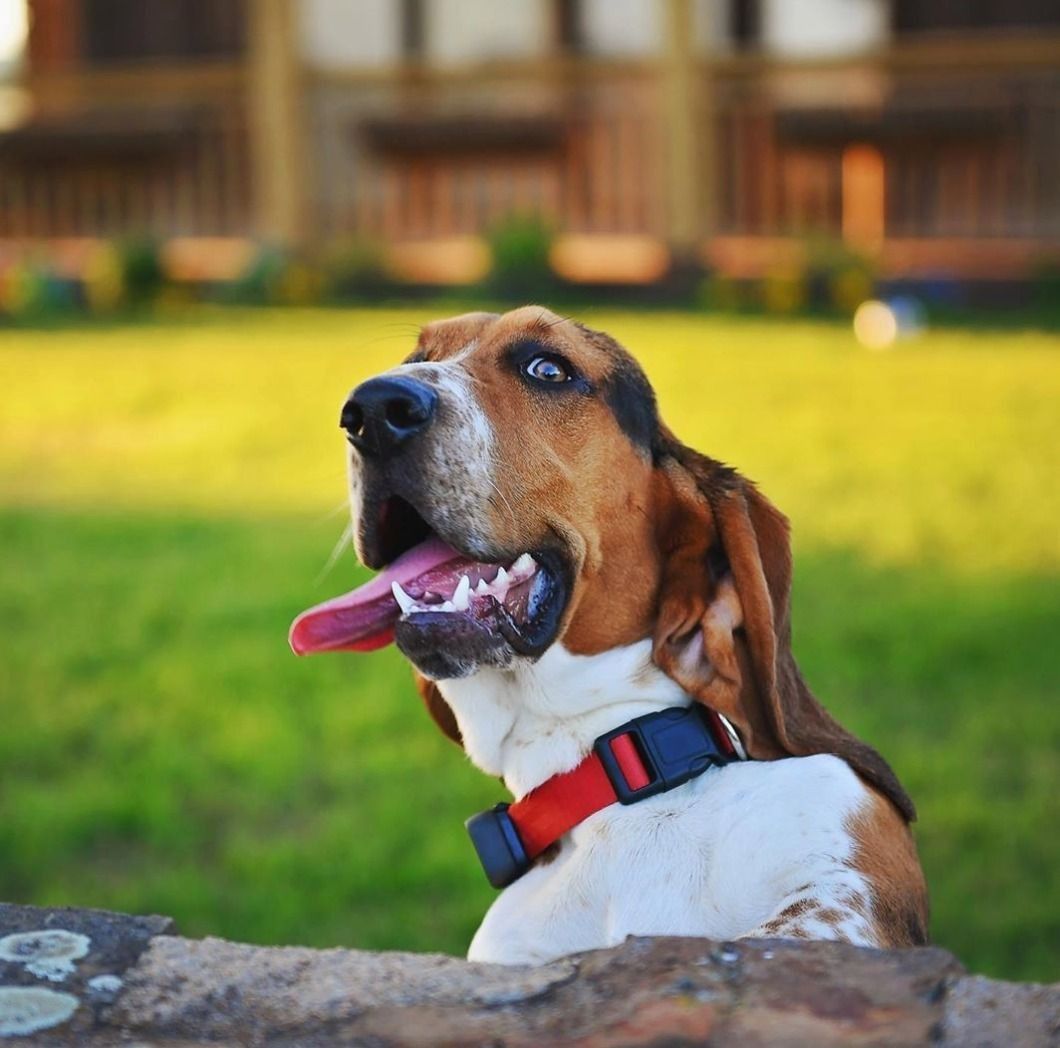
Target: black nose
[383,413]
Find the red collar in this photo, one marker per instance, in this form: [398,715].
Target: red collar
[645,756]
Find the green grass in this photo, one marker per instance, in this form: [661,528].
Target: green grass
[170,496]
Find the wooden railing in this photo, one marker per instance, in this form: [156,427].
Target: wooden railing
[444,156]
[955,140]
[161,151]
[964,147]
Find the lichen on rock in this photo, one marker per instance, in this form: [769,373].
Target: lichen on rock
[48,953]
[28,1009]
[105,987]
[140,983]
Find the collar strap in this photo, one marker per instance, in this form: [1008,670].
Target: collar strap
[643,757]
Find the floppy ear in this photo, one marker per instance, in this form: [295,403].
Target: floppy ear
[723,630]
[437,707]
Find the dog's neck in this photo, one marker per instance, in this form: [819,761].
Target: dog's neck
[539,719]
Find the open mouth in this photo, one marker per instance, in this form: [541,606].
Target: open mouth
[447,610]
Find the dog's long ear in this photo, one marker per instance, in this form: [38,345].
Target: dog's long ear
[724,625]
[437,707]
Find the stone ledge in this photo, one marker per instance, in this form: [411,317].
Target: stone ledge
[130,980]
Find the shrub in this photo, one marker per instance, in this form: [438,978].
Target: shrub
[20,290]
[142,273]
[1045,286]
[723,294]
[353,268]
[520,248]
[840,276]
[103,279]
[784,290]
[257,283]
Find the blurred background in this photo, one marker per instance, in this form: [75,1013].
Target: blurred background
[751,139]
[829,228]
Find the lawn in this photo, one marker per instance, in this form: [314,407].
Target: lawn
[171,493]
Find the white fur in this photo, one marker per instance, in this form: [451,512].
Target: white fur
[456,468]
[538,719]
[719,857]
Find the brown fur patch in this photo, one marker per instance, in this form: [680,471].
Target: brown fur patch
[799,908]
[830,916]
[787,920]
[437,707]
[855,903]
[726,530]
[885,855]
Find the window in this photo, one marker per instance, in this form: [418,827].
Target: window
[570,32]
[127,30]
[911,16]
[744,20]
[413,30]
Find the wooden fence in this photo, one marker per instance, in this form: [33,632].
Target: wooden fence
[139,151]
[940,142]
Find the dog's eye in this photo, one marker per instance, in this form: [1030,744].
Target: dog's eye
[547,369]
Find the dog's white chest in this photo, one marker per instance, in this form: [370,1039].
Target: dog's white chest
[717,858]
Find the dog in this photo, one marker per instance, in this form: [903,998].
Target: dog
[597,613]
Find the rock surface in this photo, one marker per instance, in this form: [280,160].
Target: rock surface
[138,983]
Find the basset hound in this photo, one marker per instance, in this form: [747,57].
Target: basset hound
[558,567]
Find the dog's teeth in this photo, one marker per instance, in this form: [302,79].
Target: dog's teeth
[481,589]
[525,565]
[405,602]
[447,606]
[502,578]
[462,594]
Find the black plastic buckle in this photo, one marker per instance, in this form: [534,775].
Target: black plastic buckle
[499,848]
[675,744]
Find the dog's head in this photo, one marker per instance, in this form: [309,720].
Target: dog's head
[516,487]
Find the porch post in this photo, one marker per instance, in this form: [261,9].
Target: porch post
[276,121]
[689,123]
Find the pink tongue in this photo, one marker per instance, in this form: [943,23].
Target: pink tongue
[363,619]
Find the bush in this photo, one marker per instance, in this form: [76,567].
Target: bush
[1045,286]
[723,294]
[841,278]
[276,278]
[103,279]
[254,285]
[828,275]
[21,290]
[141,268]
[520,248]
[353,268]
[784,290]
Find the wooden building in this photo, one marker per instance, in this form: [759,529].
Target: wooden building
[927,131]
